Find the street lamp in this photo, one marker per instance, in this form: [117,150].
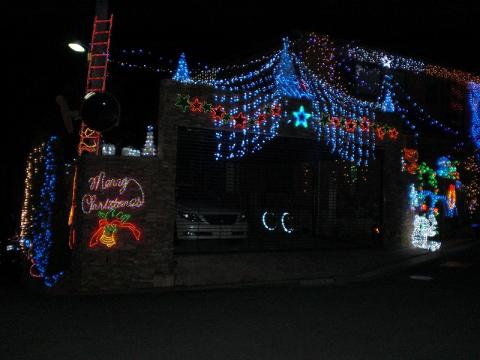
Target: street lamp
[77,47]
[68,115]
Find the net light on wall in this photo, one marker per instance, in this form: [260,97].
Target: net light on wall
[129,151]
[108,149]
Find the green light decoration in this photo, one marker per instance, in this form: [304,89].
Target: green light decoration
[183,102]
[114,214]
[207,107]
[427,174]
[227,118]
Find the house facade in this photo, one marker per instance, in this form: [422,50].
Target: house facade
[317,146]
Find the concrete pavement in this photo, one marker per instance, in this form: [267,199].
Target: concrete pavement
[309,268]
[391,318]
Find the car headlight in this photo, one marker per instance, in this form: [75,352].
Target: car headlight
[242,218]
[189,216]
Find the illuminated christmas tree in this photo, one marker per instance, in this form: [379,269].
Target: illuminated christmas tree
[182,74]
[149,147]
[286,81]
[387,103]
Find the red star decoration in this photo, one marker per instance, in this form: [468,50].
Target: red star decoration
[261,118]
[276,110]
[393,134]
[350,125]
[380,133]
[196,105]
[336,121]
[240,120]
[218,113]
[365,124]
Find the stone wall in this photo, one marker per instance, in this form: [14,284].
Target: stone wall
[397,217]
[130,263]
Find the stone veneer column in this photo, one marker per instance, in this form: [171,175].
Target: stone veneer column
[130,264]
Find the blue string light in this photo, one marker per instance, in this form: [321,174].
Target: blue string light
[274,78]
[42,217]
[474,105]
[286,81]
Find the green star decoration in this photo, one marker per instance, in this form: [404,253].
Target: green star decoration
[325,119]
[227,117]
[183,102]
[207,108]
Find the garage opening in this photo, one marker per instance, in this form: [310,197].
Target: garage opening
[292,194]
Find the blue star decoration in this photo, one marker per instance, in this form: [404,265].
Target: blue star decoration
[301,117]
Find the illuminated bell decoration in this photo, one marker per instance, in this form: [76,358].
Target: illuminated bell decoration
[108,236]
[100,111]
[107,229]
[108,149]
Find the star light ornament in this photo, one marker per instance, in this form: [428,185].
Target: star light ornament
[301,117]
[386,62]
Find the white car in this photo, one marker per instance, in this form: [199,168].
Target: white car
[210,222]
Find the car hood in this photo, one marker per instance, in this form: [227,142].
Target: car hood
[206,208]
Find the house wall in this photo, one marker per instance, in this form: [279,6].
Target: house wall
[149,262]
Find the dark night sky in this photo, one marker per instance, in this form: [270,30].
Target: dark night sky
[209,32]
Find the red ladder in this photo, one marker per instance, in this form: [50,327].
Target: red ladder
[98,56]
[96,78]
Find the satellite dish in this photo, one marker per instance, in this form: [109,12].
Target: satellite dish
[100,111]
